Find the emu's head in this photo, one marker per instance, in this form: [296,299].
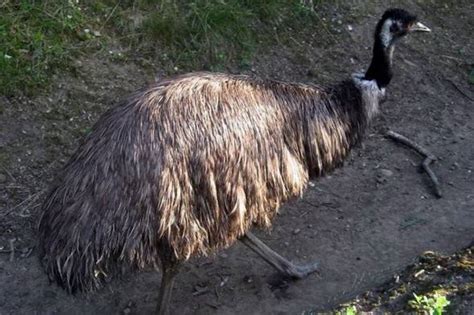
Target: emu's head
[395,24]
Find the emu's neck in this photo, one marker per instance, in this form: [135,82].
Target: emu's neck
[334,124]
[380,68]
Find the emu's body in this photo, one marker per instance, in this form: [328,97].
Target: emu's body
[187,166]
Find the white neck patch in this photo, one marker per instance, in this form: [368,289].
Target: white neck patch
[371,94]
[385,34]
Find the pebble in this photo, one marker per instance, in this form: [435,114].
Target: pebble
[386,173]
[296,231]
[454,166]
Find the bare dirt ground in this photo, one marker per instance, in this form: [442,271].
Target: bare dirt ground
[364,223]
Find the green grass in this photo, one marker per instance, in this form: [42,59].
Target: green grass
[35,38]
[40,38]
[212,34]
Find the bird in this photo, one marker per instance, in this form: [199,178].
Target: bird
[188,165]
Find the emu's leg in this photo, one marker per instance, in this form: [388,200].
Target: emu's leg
[170,269]
[278,262]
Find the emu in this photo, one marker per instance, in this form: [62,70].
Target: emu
[187,166]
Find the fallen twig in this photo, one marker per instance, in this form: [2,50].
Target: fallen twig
[24,204]
[460,90]
[12,249]
[429,158]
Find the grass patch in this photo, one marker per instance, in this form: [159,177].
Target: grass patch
[38,38]
[35,38]
[205,34]
[211,34]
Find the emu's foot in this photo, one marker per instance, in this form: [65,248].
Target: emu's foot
[281,264]
[300,272]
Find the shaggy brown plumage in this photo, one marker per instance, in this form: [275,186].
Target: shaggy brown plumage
[187,166]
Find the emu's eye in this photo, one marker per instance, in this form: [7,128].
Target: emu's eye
[394,28]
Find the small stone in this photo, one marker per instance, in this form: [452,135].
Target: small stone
[349,28]
[296,231]
[386,173]
[248,279]
[127,310]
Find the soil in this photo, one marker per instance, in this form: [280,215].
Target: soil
[364,223]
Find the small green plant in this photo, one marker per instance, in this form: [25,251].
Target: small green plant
[350,310]
[343,310]
[433,305]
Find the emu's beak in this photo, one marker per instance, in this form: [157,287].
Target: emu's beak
[419,27]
